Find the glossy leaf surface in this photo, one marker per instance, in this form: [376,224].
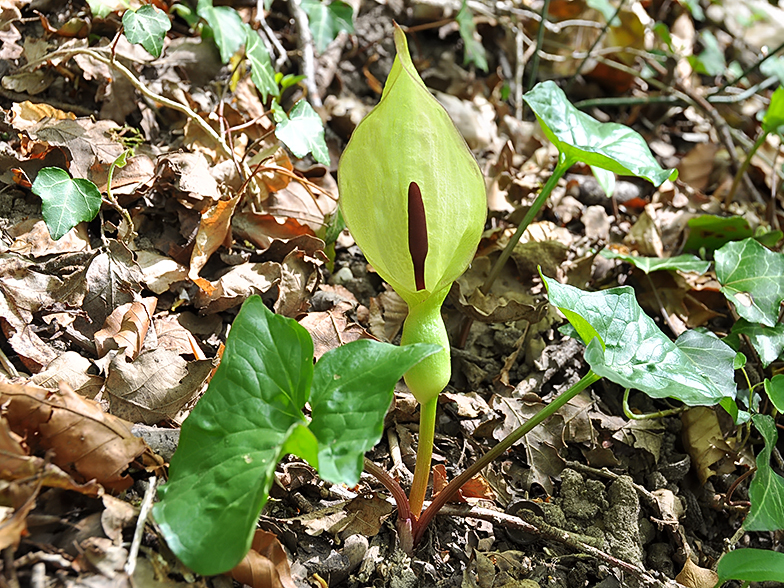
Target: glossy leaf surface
[751,565]
[261,70]
[580,137]
[65,201]
[683,263]
[147,27]
[752,278]
[251,415]
[352,391]
[226,25]
[625,345]
[767,341]
[766,491]
[230,444]
[774,388]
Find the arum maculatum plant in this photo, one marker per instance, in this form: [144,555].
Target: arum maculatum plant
[414,200]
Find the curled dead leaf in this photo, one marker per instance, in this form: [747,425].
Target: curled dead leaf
[126,328]
[265,565]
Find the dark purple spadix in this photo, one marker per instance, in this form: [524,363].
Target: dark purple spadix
[417,234]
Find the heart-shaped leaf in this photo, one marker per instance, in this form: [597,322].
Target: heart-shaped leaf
[301,130]
[261,71]
[580,137]
[147,27]
[251,415]
[65,201]
[751,565]
[752,278]
[230,444]
[226,25]
[629,349]
[352,391]
[766,491]
[683,263]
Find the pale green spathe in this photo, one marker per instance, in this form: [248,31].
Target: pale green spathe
[409,138]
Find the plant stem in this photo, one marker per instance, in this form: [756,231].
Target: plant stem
[743,167]
[451,489]
[427,429]
[563,165]
[403,509]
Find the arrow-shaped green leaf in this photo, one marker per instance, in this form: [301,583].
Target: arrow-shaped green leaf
[636,353]
[580,137]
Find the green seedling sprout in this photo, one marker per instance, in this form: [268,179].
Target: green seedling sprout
[414,199]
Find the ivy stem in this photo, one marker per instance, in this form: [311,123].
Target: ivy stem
[427,430]
[451,489]
[563,165]
[743,167]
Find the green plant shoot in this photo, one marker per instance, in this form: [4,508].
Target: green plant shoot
[414,199]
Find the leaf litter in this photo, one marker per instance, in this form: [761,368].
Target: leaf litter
[134,327]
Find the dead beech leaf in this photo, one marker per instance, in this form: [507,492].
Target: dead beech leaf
[172,335]
[32,238]
[387,313]
[159,271]
[155,386]
[85,442]
[17,464]
[265,565]
[126,328]
[694,576]
[72,368]
[14,522]
[214,231]
[241,281]
[187,176]
[331,329]
[263,229]
[705,444]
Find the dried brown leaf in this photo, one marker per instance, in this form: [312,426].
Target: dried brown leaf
[156,386]
[126,328]
[72,368]
[214,231]
[265,565]
[85,442]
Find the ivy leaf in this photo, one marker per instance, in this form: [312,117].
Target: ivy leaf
[229,446]
[751,565]
[629,349]
[226,25]
[766,491]
[683,263]
[767,341]
[261,71]
[103,8]
[65,201]
[773,121]
[474,50]
[302,131]
[751,278]
[352,390]
[580,137]
[327,20]
[147,27]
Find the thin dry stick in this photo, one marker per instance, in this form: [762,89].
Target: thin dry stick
[305,43]
[539,40]
[144,512]
[145,91]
